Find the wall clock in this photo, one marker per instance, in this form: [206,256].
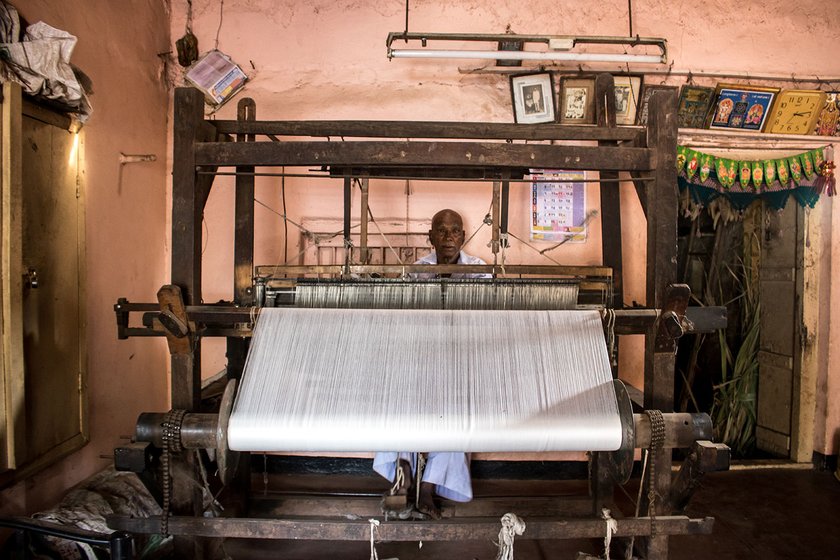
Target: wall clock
[796,111]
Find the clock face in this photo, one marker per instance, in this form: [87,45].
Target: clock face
[795,111]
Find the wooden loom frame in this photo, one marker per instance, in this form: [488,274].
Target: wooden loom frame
[202,146]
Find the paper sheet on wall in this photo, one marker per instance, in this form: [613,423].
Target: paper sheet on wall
[558,205]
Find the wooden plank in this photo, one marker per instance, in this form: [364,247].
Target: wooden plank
[546,270]
[46,115]
[662,200]
[401,153]
[187,213]
[482,528]
[243,233]
[429,129]
[812,241]
[14,417]
[610,197]
[243,242]
[661,242]
[276,506]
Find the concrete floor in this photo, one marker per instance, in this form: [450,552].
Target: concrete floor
[764,513]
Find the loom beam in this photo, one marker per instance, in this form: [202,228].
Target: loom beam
[201,430]
[479,529]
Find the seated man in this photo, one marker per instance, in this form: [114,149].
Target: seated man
[446,474]
[447,237]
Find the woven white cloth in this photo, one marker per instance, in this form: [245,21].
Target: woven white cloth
[426,380]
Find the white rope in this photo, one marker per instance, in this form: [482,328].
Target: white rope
[399,479]
[512,525]
[374,523]
[612,528]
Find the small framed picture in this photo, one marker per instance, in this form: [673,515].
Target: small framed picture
[533,98]
[741,107]
[828,123]
[693,106]
[577,100]
[647,91]
[627,89]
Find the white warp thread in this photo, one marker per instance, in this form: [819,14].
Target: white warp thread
[426,380]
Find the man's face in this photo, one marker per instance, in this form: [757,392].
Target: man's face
[447,236]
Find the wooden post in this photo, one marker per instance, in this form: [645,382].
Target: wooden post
[363,223]
[610,193]
[187,212]
[497,218]
[602,486]
[348,243]
[243,243]
[189,194]
[662,207]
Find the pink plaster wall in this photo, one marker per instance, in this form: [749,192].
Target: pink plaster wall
[126,240]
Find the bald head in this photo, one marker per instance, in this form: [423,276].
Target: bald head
[447,235]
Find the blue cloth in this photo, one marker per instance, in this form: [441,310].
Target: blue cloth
[449,472]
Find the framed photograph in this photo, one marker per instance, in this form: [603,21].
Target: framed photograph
[647,91]
[533,98]
[577,100]
[828,123]
[627,89]
[741,107]
[693,106]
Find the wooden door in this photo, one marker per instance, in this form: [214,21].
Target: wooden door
[781,315]
[50,418]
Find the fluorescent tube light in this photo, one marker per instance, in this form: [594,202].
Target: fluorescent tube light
[558,47]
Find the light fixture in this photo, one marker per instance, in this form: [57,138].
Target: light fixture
[557,47]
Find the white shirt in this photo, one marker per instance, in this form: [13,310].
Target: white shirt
[463,258]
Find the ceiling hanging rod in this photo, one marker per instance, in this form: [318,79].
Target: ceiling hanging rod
[666,72]
[559,47]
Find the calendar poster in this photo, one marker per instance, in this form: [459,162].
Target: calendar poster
[558,205]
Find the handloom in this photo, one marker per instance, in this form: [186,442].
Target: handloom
[529,311]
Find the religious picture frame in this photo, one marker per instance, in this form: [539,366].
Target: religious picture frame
[644,101]
[533,98]
[577,100]
[693,106]
[828,123]
[741,107]
[627,90]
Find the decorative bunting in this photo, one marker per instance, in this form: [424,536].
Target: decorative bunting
[692,163]
[681,157]
[745,174]
[706,163]
[757,174]
[769,171]
[795,169]
[783,171]
[807,165]
[804,176]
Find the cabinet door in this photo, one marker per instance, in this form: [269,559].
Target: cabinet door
[51,265]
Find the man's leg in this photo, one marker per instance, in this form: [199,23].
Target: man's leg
[448,476]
